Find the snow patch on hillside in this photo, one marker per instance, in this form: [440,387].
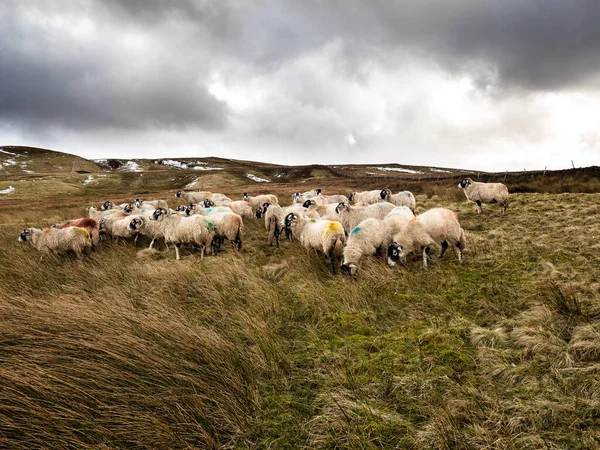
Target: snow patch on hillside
[8,190]
[257,179]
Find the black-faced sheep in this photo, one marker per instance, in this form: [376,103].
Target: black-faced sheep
[56,241]
[485,193]
[351,216]
[403,198]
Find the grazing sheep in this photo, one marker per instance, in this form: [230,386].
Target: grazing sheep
[438,225]
[111,205]
[353,215]
[179,230]
[240,207]
[300,211]
[485,193]
[193,197]
[91,225]
[274,216]
[150,204]
[336,199]
[368,197]
[56,241]
[403,198]
[259,200]
[228,226]
[325,236]
[373,237]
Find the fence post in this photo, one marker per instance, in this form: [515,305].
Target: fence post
[505,174]
[573,164]
[544,174]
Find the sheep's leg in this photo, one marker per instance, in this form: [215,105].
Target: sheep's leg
[425,257]
[504,206]
[177,251]
[277,233]
[271,235]
[151,244]
[333,264]
[478,203]
[166,245]
[135,238]
[444,248]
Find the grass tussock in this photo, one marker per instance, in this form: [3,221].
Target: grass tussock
[266,349]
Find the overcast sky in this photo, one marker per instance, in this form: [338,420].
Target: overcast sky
[491,85]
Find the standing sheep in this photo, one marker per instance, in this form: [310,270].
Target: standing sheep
[259,200]
[438,225]
[353,215]
[228,226]
[325,236]
[274,216]
[56,241]
[301,197]
[485,192]
[193,197]
[240,207]
[150,204]
[368,197]
[91,225]
[403,198]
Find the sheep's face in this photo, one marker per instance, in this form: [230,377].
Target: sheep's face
[135,224]
[318,192]
[297,197]
[341,207]
[308,204]
[290,220]
[352,196]
[208,203]
[181,208]
[158,214]
[465,183]
[385,194]
[348,269]
[138,202]
[188,210]
[245,196]
[127,209]
[106,205]
[396,253]
[25,235]
[178,194]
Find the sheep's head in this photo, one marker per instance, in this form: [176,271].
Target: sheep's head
[397,252]
[262,210]
[181,208]
[245,196]
[290,219]
[127,209]
[106,205]
[349,269]
[465,183]
[208,203]
[385,194]
[25,235]
[135,224]
[308,203]
[352,197]
[188,210]
[158,213]
[178,194]
[138,202]
[342,207]
[297,197]
[318,191]
[91,208]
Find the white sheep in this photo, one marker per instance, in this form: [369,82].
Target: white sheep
[179,230]
[485,193]
[438,225]
[150,204]
[368,197]
[56,241]
[146,227]
[301,197]
[336,198]
[324,236]
[240,207]
[91,225]
[351,216]
[320,209]
[402,198]
[228,226]
[373,237]
[112,205]
[274,216]
[259,200]
[193,197]
[116,225]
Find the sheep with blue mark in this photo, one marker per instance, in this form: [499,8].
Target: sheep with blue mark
[353,215]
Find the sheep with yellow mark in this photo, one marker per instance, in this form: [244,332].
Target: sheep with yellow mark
[324,236]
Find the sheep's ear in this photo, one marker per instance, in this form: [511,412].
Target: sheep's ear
[353,269]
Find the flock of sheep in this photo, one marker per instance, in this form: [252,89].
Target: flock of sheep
[375,222]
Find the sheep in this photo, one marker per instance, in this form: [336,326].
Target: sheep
[353,215]
[485,192]
[56,241]
[91,225]
[146,227]
[116,225]
[320,209]
[302,212]
[193,197]
[301,197]
[111,205]
[146,210]
[368,197]
[150,204]
[179,230]
[336,199]
[199,210]
[259,200]
[274,216]
[438,225]
[325,236]
[240,207]
[373,236]
[228,226]
[93,212]
[403,198]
